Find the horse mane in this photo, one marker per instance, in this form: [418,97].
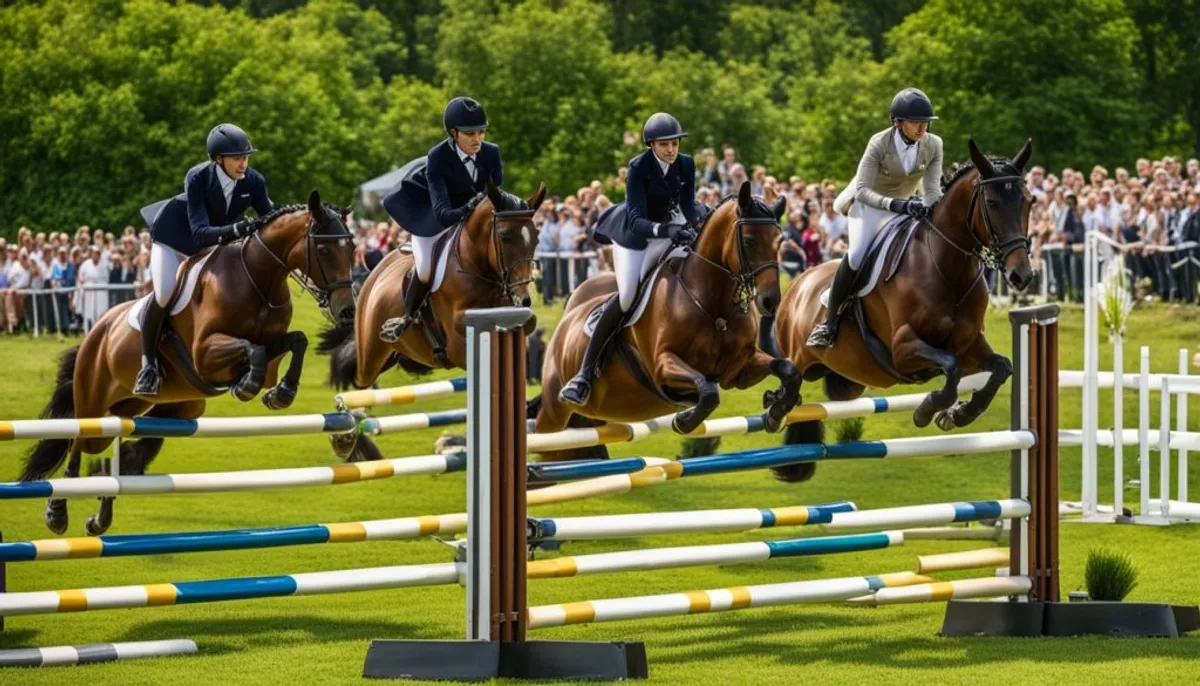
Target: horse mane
[757,202]
[510,202]
[280,210]
[1002,164]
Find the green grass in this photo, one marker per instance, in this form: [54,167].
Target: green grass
[322,639]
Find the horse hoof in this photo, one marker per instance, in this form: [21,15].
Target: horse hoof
[922,417]
[682,426]
[770,398]
[279,398]
[57,519]
[343,444]
[93,527]
[945,420]
[770,423]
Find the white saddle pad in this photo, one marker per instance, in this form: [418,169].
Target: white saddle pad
[589,326]
[886,238]
[134,316]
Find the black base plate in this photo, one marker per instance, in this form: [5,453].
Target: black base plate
[964,618]
[483,660]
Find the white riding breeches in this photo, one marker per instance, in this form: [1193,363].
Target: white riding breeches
[164,269]
[631,267]
[864,223]
[423,254]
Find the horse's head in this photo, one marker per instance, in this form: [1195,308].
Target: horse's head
[750,251]
[998,214]
[324,269]
[504,228]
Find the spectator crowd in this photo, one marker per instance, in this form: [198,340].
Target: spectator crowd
[63,284]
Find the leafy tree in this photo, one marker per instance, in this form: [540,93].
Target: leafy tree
[1060,72]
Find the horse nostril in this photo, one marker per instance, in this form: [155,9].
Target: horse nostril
[526,301]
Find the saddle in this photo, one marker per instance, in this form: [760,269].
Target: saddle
[426,317]
[883,259]
[191,271]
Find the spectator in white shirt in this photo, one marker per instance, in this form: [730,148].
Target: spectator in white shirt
[91,303]
[18,280]
[833,223]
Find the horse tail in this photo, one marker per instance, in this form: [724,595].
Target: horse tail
[47,455]
[338,342]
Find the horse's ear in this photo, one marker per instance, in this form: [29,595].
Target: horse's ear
[535,201]
[315,208]
[744,198]
[493,193]
[1023,154]
[779,208]
[982,163]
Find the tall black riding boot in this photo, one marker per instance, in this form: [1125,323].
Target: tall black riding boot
[149,379]
[578,389]
[414,300]
[826,333]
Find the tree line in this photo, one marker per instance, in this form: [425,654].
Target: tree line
[107,103]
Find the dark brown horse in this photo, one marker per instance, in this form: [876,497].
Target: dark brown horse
[698,332]
[928,319]
[231,336]
[490,265]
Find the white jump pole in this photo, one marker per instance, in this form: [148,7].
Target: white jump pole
[1091,368]
[1118,500]
[1144,432]
[1181,424]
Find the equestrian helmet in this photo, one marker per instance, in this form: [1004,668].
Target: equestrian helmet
[911,104]
[661,127]
[228,139]
[464,114]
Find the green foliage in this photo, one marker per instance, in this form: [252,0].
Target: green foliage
[1109,575]
[849,429]
[1059,72]
[106,103]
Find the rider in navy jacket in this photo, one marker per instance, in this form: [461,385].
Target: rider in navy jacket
[216,195]
[437,192]
[659,212]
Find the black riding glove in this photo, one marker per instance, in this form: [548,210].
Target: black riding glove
[682,234]
[236,230]
[913,208]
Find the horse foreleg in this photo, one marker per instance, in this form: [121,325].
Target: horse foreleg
[779,402]
[282,396]
[57,518]
[1000,368]
[675,374]
[220,353]
[912,352]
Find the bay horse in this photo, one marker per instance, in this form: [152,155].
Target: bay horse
[231,335]
[490,265]
[928,319]
[698,333]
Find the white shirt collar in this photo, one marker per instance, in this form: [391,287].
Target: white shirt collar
[901,144]
[661,165]
[227,184]
[907,151]
[462,156]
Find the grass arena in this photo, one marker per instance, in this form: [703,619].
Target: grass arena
[322,638]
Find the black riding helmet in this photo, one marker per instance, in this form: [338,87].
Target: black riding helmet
[228,139]
[464,114]
[661,127]
[911,104]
